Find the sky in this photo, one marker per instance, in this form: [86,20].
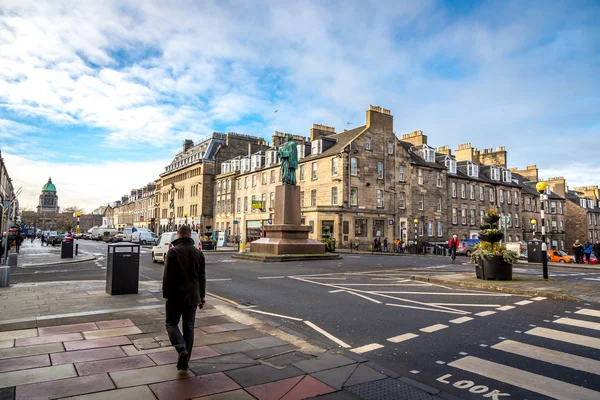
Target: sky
[100,95]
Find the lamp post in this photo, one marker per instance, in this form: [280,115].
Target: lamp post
[541,188]
[416,222]
[185,215]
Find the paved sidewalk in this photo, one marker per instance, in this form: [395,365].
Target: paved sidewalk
[72,340]
[36,255]
[521,284]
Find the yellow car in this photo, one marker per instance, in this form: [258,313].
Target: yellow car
[559,256]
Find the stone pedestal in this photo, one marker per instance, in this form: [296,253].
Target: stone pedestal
[287,235]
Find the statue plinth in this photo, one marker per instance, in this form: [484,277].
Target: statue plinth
[287,235]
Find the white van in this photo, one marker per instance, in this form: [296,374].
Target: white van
[129,231]
[159,252]
[108,234]
[144,237]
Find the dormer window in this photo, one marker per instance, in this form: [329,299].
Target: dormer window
[368,143]
[583,203]
[429,155]
[301,151]
[316,146]
[495,173]
[473,170]
[506,175]
[451,165]
[590,203]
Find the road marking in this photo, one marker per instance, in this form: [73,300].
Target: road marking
[402,338]
[447,294]
[270,277]
[550,356]
[578,323]
[366,348]
[592,279]
[587,311]
[364,297]
[223,299]
[523,303]
[461,320]
[217,280]
[572,338]
[465,305]
[273,315]
[539,298]
[414,371]
[505,308]
[337,291]
[526,380]
[433,328]
[327,334]
[485,313]
[340,279]
[425,308]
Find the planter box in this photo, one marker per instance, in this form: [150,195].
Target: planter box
[491,219]
[494,268]
[491,237]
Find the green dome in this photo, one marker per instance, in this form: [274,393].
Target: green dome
[49,186]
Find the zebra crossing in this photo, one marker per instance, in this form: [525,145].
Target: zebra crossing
[558,361]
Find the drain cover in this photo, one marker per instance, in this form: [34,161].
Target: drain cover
[388,389]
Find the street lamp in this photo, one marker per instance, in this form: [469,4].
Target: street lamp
[416,222]
[185,215]
[541,188]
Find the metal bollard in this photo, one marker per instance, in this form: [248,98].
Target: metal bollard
[4,276]
[77,249]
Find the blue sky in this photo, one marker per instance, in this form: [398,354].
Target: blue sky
[100,95]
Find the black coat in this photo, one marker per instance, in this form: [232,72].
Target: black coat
[184,278]
[596,250]
[578,250]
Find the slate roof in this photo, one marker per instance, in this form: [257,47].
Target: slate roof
[417,159]
[572,195]
[529,187]
[342,140]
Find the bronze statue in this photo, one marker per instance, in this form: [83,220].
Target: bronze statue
[288,154]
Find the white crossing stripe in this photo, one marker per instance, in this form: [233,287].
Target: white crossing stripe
[566,337]
[434,328]
[367,348]
[505,308]
[539,298]
[402,338]
[485,313]
[578,323]
[526,380]
[461,320]
[587,311]
[523,303]
[550,356]
[592,279]
[328,335]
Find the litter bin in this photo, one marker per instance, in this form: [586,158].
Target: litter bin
[534,251]
[66,249]
[123,269]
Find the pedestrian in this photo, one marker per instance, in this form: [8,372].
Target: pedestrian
[587,251]
[184,288]
[379,246]
[43,239]
[374,244]
[453,245]
[356,243]
[18,241]
[578,251]
[596,250]
[402,246]
[397,245]
[385,245]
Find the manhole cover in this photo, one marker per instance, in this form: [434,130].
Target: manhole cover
[388,389]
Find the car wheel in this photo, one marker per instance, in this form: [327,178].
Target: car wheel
[562,261]
[143,242]
[468,253]
[154,259]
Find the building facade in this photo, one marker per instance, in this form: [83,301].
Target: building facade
[8,212]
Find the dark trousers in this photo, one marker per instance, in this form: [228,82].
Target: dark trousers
[587,257]
[175,311]
[578,258]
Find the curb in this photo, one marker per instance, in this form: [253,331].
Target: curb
[496,288]
[68,261]
[562,265]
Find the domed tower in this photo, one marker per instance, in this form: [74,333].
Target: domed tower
[48,199]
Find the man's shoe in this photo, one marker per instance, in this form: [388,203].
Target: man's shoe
[182,361]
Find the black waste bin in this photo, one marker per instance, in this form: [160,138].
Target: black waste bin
[534,251]
[123,269]
[66,249]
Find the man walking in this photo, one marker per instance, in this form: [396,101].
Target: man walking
[184,287]
[596,250]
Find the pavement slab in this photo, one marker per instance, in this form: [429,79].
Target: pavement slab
[67,337]
[7,393]
[113,365]
[239,394]
[194,387]
[71,328]
[250,334]
[234,358]
[323,362]
[31,350]
[308,387]
[232,347]
[64,388]
[170,357]
[133,393]
[97,343]
[202,339]
[264,342]
[118,323]
[132,351]
[5,344]
[270,351]
[259,374]
[364,374]
[23,333]
[342,395]
[213,329]
[145,376]
[71,357]
[43,374]
[15,364]
[335,377]
[104,333]
[274,390]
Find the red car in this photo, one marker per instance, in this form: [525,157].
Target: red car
[593,259]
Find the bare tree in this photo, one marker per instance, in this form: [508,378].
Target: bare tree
[67,219]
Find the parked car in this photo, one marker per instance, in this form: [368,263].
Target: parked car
[159,251]
[108,234]
[559,256]
[86,236]
[466,246]
[57,239]
[593,259]
[144,237]
[119,237]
